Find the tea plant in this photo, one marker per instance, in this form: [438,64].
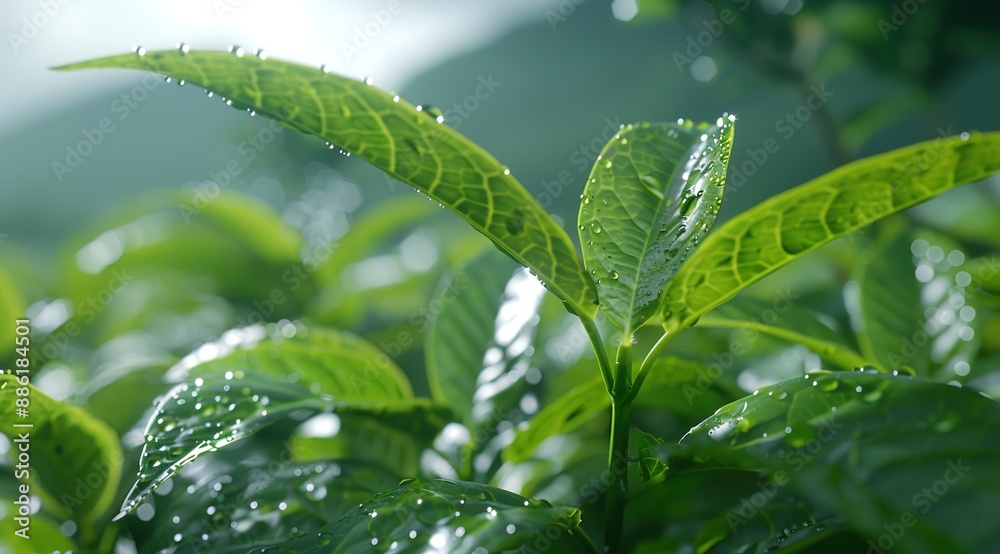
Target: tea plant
[293,436]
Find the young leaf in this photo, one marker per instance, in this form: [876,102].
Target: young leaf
[653,194]
[67,446]
[870,447]
[446,516]
[650,462]
[770,235]
[394,136]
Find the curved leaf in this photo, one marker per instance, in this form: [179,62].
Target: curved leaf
[253,377]
[66,445]
[650,461]
[653,194]
[324,360]
[770,235]
[445,516]
[868,446]
[395,137]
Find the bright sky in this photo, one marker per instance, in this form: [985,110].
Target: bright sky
[356,39]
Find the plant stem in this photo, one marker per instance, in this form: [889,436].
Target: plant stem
[621,409]
[602,354]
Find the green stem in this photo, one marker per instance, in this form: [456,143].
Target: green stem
[621,409]
[599,350]
[647,363]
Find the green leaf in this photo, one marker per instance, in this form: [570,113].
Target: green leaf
[395,137]
[197,263]
[909,325]
[867,446]
[222,241]
[788,322]
[325,361]
[775,232]
[67,445]
[484,327]
[11,308]
[479,349]
[445,516]
[120,391]
[255,376]
[673,384]
[890,308]
[268,500]
[653,194]
[650,462]
[44,534]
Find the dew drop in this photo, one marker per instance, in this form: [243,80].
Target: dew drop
[183,48]
[595,228]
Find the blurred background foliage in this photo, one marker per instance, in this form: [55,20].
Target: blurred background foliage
[187,218]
